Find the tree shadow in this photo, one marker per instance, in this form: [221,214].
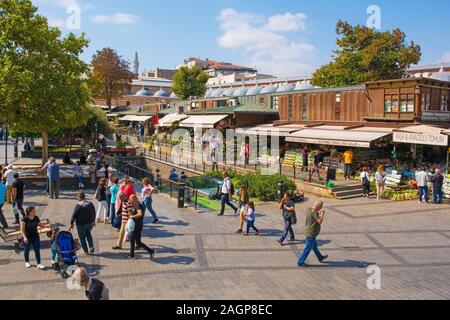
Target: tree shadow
[155,232]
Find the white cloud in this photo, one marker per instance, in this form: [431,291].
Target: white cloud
[60,23]
[446,57]
[117,18]
[265,42]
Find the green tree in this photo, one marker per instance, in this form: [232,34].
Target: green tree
[111,76]
[365,55]
[41,75]
[96,124]
[190,82]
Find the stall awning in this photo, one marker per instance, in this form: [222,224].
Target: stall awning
[268,129]
[203,121]
[422,134]
[136,118]
[170,119]
[337,137]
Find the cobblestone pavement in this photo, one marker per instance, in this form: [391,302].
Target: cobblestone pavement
[200,257]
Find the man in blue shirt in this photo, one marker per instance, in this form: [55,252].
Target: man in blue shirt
[2,203]
[53,171]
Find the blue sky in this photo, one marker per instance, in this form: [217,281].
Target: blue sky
[281,37]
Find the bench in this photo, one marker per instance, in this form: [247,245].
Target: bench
[16,235]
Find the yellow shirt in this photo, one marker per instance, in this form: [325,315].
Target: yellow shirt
[348,157]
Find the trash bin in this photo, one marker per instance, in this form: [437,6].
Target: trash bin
[181,196]
[331,174]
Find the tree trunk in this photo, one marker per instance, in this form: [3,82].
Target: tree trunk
[32,143]
[44,146]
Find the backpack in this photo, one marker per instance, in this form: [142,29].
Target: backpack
[232,190]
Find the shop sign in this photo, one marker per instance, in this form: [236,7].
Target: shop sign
[339,143]
[418,138]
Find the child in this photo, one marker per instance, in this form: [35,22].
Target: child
[250,215]
[54,250]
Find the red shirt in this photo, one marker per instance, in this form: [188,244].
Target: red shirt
[129,191]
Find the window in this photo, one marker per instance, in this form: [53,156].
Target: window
[338,107]
[291,109]
[411,103]
[404,103]
[304,109]
[388,104]
[275,102]
[444,103]
[395,103]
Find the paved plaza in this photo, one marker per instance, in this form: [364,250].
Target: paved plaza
[200,257]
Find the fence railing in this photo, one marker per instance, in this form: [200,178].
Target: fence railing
[129,167]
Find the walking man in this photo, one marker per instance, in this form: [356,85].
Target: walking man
[18,197]
[84,217]
[227,193]
[54,177]
[348,164]
[288,208]
[9,174]
[2,203]
[422,183]
[314,220]
[438,183]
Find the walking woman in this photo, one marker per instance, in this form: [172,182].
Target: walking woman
[147,199]
[100,196]
[243,200]
[380,179]
[78,173]
[29,229]
[137,214]
[114,190]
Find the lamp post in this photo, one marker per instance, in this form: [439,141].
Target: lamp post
[2,12]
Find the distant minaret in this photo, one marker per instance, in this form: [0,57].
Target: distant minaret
[136,63]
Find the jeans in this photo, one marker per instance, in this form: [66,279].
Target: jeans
[54,255]
[79,179]
[251,224]
[102,210]
[348,171]
[288,230]
[54,188]
[147,203]
[438,195]
[85,233]
[112,212]
[108,201]
[136,240]
[2,218]
[225,200]
[424,191]
[36,243]
[311,244]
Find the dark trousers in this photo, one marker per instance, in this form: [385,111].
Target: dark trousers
[19,204]
[251,225]
[288,230]
[108,201]
[438,195]
[366,189]
[36,243]
[85,234]
[136,236]
[2,218]
[225,200]
[348,171]
[423,191]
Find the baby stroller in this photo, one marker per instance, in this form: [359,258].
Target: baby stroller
[67,253]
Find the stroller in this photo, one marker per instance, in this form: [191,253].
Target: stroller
[67,253]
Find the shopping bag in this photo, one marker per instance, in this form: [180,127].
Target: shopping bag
[129,227]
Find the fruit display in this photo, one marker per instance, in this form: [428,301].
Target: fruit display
[401,195]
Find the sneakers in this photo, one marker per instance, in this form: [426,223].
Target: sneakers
[152,254]
[155,221]
[303,265]
[92,251]
[280,242]
[41,267]
[323,259]
[117,248]
[27,265]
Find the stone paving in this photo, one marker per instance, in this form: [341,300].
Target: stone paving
[200,257]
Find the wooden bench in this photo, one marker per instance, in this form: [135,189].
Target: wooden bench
[16,235]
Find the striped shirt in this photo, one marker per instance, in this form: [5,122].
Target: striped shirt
[125,214]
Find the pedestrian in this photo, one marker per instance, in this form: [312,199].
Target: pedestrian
[84,217]
[18,197]
[422,183]
[380,180]
[55,179]
[95,289]
[173,175]
[183,177]
[66,159]
[348,164]
[2,203]
[147,200]
[314,220]
[106,167]
[129,189]
[54,248]
[438,183]
[109,184]
[78,174]
[243,201]
[151,176]
[100,196]
[227,193]
[247,153]
[29,230]
[365,182]
[158,179]
[114,190]
[250,217]
[46,168]
[288,210]
[83,159]
[137,214]
[9,174]
[123,210]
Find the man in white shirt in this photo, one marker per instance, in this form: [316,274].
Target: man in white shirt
[227,194]
[9,174]
[422,183]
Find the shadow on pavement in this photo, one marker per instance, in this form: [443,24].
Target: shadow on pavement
[183,260]
[344,264]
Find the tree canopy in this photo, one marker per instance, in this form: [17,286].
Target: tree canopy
[42,86]
[190,82]
[111,76]
[365,55]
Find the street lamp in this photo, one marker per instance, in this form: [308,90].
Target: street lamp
[2,12]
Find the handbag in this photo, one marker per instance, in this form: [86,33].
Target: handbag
[129,227]
[117,223]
